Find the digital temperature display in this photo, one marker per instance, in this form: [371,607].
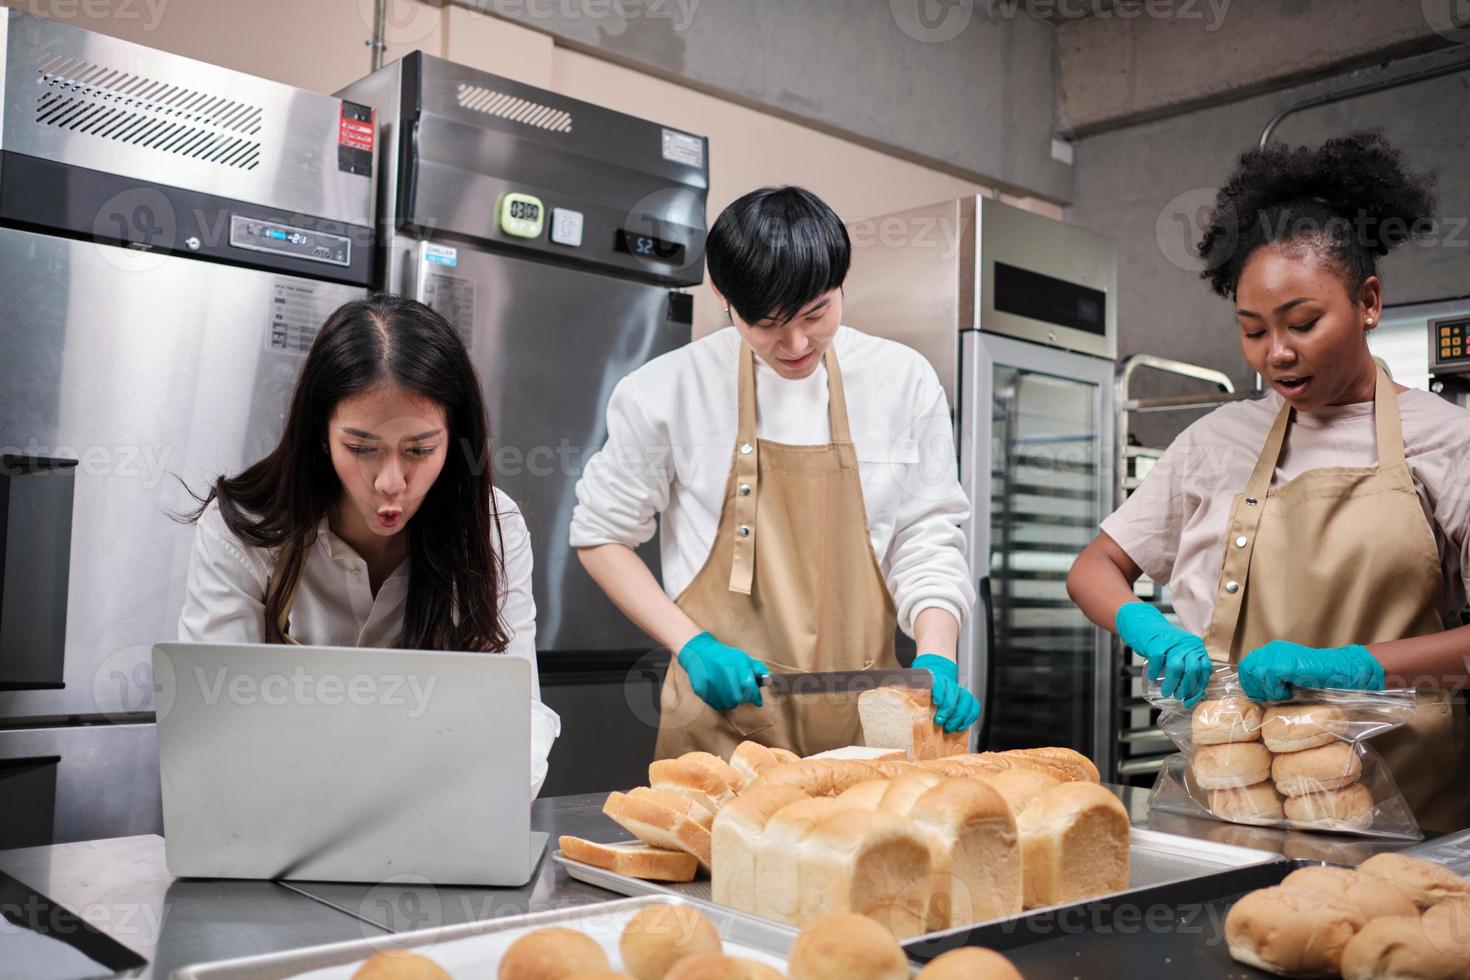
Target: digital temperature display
[649,247]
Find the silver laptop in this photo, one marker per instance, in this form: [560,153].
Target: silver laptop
[345,764]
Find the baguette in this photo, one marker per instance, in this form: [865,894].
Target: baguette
[633,860]
[736,841]
[659,826]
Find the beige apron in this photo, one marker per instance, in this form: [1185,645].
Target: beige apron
[1344,555]
[792,580]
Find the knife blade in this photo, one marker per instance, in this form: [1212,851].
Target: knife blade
[846,681]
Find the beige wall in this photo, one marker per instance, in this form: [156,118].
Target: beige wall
[322,45]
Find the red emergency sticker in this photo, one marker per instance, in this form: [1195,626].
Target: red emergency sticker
[355,127]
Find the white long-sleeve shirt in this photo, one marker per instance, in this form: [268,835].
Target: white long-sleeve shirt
[671,428]
[224,601]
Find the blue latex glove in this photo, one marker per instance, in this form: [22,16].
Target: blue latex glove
[955,708]
[1268,673]
[1172,653]
[722,676]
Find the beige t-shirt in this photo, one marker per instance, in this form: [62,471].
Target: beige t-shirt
[1175,523]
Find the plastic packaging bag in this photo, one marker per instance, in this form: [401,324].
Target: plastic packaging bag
[1303,764]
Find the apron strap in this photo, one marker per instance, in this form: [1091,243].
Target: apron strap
[1387,423]
[836,397]
[746,470]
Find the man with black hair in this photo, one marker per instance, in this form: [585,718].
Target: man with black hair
[835,519]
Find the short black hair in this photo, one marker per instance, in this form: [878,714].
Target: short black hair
[1350,200]
[775,250]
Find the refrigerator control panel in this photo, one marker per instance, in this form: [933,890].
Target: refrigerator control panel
[302,243]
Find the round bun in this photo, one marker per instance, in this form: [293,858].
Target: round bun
[400,964]
[1400,946]
[552,954]
[1351,199]
[847,946]
[970,963]
[1231,764]
[1425,882]
[1225,720]
[661,935]
[1258,804]
[1349,808]
[713,966]
[1317,770]
[1293,727]
[1291,930]
[1448,926]
[1371,896]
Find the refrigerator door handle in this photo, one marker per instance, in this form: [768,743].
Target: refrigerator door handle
[987,665]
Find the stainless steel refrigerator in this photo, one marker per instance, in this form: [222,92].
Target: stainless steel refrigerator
[171,236]
[557,236]
[1017,314]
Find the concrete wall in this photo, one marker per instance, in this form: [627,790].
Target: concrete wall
[969,91]
[1149,186]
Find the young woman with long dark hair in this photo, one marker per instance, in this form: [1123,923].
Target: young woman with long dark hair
[374,522]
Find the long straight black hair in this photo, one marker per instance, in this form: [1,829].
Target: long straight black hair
[455,563]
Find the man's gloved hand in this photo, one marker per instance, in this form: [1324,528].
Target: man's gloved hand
[722,676]
[1269,672]
[1176,655]
[955,708]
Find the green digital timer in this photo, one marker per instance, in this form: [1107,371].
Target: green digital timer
[522,215]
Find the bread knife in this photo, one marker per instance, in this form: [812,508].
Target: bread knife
[847,681]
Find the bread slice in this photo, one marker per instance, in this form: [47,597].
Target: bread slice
[733,777]
[1074,845]
[865,753]
[868,862]
[777,879]
[736,839]
[902,718]
[693,779]
[633,860]
[659,826]
[974,852]
[750,759]
[674,801]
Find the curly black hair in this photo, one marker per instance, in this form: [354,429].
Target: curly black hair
[1350,200]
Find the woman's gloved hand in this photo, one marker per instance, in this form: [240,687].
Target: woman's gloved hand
[1269,672]
[955,708]
[1176,655]
[722,676]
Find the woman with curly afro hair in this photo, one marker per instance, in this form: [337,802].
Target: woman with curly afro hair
[1317,536]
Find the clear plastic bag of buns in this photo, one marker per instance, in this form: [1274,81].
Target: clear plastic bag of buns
[1304,764]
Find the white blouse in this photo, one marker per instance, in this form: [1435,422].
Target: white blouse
[224,602]
[671,428]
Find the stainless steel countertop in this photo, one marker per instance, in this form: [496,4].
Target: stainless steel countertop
[122,887]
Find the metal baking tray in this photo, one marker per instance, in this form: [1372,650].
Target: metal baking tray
[1154,859]
[1176,929]
[474,948]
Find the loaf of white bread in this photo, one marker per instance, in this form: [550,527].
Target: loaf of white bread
[903,719]
[917,845]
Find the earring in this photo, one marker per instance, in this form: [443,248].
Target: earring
[325,449]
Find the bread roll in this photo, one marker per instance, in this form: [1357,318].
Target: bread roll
[1448,926]
[974,852]
[751,759]
[675,802]
[904,791]
[1400,948]
[1371,896]
[716,967]
[1225,720]
[1074,845]
[846,946]
[1258,804]
[659,826]
[400,964]
[1293,727]
[1021,787]
[736,840]
[777,873]
[661,935]
[1231,764]
[901,718]
[694,779]
[1426,882]
[863,753]
[865,795]
[633,860]
[868,862]
[551,954]
[1316,770]
[970,963]
[1349,808]
[1291,931]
